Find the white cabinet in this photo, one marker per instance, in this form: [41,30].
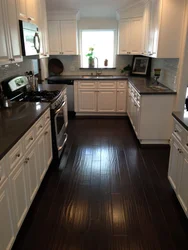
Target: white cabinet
[27,10]
[41,157]
[87,100]
[44,29]
[31,167]
[159,28]
[62,37]
[121,100]
[10,49]
[130,36]
[48,145]
[107,101]
[19,193]
[178,171]
[6,225]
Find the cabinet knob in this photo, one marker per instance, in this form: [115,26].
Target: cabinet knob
[18,155]
[40,126]
[31,138]
[46,132]
[176,131]
[29,18]
[187,144]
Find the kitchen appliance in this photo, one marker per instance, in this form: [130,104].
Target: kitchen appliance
[30,39]
[16,90]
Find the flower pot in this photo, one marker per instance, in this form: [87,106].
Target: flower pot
[91,62]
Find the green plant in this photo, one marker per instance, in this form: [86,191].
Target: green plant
[126,68]
[90,54]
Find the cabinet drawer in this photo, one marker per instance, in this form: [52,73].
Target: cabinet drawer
[179,131]
[47,117]
[29,138]
[87,85]
[39,126]
[2,171]
[14,155]
[122,85]
[107,85]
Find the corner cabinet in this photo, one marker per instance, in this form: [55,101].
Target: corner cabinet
[178,165]
[10,48]
[159,28]
[100,97]
[21,173]
[65,34]
[130,36]
[145,112]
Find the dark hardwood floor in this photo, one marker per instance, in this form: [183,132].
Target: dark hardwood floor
[108,193]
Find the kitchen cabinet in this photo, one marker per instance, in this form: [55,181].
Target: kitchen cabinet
[41,157]
[27,10]
[6,228]
[159,28]
[43,26]
[107,101]
[144,113]
[130,36]
[178,165]
[65,34]
[48,145]
[10,49]
[101,97]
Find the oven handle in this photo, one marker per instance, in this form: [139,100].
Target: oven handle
[66,137]
[58,110]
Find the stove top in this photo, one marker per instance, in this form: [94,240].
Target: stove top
[40,96]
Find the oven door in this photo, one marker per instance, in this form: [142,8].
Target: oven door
[60,121]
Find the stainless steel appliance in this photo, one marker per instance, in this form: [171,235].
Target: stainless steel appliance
[30,39]
[15,89]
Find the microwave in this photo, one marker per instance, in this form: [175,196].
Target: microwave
[30,39]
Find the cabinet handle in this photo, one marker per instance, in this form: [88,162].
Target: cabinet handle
[31,138]
[29,18]
[26,160]
[187,144]
[176,131]
[18,155]
[40,126]
[46,133]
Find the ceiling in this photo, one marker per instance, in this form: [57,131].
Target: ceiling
[90,8]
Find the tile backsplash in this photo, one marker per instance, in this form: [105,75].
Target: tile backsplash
[15,69]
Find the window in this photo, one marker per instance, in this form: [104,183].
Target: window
[103,42]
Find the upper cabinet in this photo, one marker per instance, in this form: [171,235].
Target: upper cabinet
[63,37]
[130,36]
[27,10]
[43,26]
[10,49]
[163,23]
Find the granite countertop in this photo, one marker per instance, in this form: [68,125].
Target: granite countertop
[146,86]
[16,121]
[182,118]
[51,87]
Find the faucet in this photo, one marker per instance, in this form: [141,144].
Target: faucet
[98,72]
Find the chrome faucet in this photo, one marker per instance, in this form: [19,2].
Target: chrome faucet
[98,72]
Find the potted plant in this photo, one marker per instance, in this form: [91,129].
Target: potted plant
[91,57]
[126,70]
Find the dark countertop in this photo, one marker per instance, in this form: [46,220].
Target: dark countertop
[16,121]
[182,118]
[143,85]
[51,87]
[146,86]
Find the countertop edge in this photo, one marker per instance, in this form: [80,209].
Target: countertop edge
[22,134]
[180,121]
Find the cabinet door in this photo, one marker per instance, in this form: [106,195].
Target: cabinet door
[124,37]
[31,9]
[137,119]
[121,101]
[135,33]
[146,28]
[48,145]
[19,194]
[182,193]
[16,53]
[22,11]
[107,101]
[31,167]
[173,163]
[69,37]
[41,157]
[4,42]
[6,218]
[87,100]
[54,37]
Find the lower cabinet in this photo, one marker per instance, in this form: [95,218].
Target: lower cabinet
[6,218]
[48,145]
[87,100]
[178,172]
[121,101]
[107,101]
[41,157]
[19,193]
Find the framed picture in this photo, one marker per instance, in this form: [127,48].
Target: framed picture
[141,66]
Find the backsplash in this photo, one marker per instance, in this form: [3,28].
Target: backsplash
[15,69]
[168,73]
[72,65]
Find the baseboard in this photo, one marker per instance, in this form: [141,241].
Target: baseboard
[101,114]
